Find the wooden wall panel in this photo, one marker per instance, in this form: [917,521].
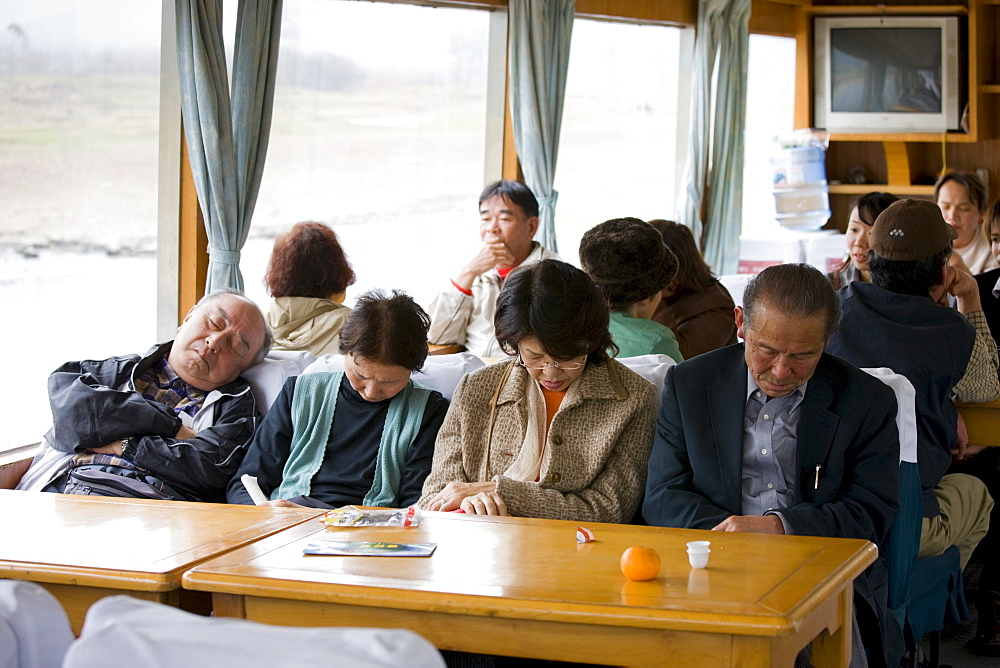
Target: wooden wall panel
[193,243]
[655,11]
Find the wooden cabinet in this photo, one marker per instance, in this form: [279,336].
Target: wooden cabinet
[906,164]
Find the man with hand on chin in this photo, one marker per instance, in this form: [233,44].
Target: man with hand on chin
[172,424]
[776,436]
[462,315]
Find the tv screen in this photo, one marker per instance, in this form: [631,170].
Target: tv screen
[887,74]
[895,70]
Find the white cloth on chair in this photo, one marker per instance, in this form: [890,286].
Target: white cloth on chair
[268,376]
[906,412]
[440,372]
[124,632]
[735,284]
[34,629]
[651,367]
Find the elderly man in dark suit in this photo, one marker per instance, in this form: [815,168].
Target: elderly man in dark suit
[775,436]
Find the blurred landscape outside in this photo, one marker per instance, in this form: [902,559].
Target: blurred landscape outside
[378,131]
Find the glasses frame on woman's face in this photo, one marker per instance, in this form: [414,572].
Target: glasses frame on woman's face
[549,373]
[565,366]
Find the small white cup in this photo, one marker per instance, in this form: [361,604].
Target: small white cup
[698,551]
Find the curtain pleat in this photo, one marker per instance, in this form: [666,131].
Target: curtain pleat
[227,133]
[540,32]
[714,174]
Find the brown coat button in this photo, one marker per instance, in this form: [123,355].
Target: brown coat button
[554,477]
[557,440]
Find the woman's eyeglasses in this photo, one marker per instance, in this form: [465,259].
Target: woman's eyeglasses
[565,366]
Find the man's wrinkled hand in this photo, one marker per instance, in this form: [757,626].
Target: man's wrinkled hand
[960,451]
[965,289]
[112,448]
[751,524]
[493,253]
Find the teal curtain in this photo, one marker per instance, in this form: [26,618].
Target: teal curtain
[227,133]
[714,174]
[540,32]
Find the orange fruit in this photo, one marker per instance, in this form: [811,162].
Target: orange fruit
[640,563]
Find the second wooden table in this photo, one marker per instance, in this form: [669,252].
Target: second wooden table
[525,587]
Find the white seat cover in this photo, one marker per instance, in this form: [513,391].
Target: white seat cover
[906,412]
[651,367]
[124,632]
[34,629]
[440,372]
[267,377]
[735,284]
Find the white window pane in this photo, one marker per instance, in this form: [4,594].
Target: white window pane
[770,111]
[617,149]
[379,123]
[78,173]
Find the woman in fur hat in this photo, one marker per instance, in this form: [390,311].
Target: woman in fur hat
[628,261]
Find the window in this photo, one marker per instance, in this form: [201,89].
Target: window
[78,125]
[770,108]
[378,131]
[618,146]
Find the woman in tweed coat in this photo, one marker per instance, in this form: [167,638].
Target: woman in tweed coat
[561,430]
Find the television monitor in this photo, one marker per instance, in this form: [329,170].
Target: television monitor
[887,74]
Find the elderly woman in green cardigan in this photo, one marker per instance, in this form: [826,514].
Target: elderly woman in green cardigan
[364,435]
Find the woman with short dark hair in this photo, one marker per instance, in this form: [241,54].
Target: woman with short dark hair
[307,276]
[561,430]
[695,306]
[364,435]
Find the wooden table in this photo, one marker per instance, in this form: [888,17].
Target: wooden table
[525,587]
[82,548]
[982,422]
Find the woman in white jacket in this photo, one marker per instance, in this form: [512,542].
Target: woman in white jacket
[307,276]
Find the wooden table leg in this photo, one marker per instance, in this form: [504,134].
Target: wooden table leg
[833,649]
[229,605]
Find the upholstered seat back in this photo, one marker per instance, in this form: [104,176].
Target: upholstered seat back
[735,284]
[123,632]
[34,629]
[268,376]
[440,372]
[651,367]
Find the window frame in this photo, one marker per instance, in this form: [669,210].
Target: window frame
[182,260]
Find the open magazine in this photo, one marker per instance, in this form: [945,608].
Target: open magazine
[365,548]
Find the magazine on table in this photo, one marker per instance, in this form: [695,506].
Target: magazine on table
[366,548]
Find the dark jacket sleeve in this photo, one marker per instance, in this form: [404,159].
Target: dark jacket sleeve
[88,410]
[269,449]
[860,499]
[671,499]
[421,451]
[203,465]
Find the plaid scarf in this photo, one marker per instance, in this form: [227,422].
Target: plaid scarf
[160,384]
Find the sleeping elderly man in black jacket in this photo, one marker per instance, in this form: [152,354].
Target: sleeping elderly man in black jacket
[172,424]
